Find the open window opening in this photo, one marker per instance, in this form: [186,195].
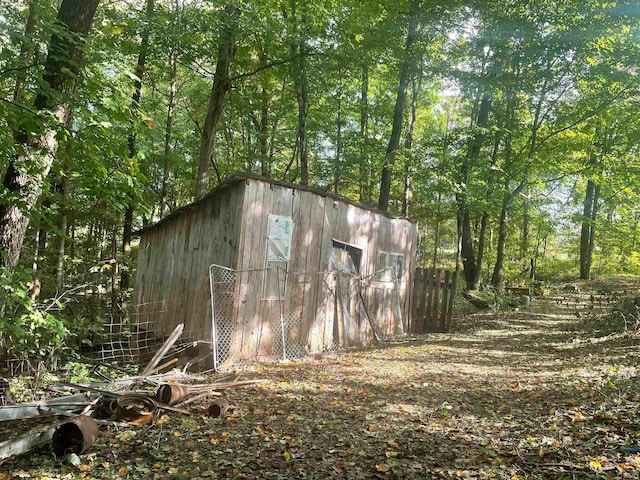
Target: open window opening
[346,257]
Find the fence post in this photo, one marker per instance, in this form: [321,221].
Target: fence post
[430,287]
[436,300]
[454,291]
[421,277]
[445,302]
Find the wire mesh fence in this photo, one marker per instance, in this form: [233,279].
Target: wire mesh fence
[258,314]
[311,313]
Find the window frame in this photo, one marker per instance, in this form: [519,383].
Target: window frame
[350,249]
[393,276]
[271,267]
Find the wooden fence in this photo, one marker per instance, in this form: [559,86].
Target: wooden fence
[432,302]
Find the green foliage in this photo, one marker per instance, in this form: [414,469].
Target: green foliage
[563,112]
[28,332]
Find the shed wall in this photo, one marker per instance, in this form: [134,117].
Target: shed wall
[311,291]
[230,229]
[172,281]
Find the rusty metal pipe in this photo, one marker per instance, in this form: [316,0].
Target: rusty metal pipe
[170,394]
[75,435]
[218,408]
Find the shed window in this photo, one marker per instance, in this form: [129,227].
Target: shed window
[390,266]
[277,256]
[346,257]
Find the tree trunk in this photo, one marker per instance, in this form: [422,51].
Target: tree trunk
[299,64]
[27,171]
[524,244]
[263,122]
[634,238]
[337,168]
[62,188]
[482,237]
[115,288]
[365,193]
[168,130]
[436,235]
[408,146]
[221,85]
[398,113]
[127,228]
[496,278]
[587,231]
[41,243]
[592,233]
[472,271]
[467,252]
[62,239]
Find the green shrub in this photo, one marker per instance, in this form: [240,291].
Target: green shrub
[28,331]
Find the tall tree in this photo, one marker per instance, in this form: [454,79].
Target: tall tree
[299,52]
[127,228]
[406,68]
[219,89]
[27,171]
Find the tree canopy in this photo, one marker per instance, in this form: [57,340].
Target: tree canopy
[508,128]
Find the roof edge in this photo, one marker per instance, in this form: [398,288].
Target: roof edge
[238,177]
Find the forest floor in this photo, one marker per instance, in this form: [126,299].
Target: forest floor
[548,391]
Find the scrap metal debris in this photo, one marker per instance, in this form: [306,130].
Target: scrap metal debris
[123,402]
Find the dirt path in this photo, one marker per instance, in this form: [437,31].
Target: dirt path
[525,394]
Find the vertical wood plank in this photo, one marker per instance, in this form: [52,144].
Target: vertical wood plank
[452,296]
[422,282]
[430,296]
[436,299]
[445,302]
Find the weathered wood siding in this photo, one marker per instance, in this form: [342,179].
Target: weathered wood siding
[230,228]
[172,277]
[310,290]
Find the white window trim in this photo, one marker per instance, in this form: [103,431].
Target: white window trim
[378,273]
[273,269]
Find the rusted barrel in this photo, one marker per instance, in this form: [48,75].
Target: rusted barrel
[135,409]
[75,435]
[218,408]
[170,394]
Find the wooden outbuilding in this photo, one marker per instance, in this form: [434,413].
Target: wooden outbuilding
[261,269]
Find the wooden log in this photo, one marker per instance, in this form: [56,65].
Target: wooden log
[477,302]
[517,291]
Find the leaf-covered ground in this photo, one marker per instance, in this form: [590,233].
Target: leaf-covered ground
[544,392]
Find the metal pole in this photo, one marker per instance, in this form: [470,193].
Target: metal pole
[281,301]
